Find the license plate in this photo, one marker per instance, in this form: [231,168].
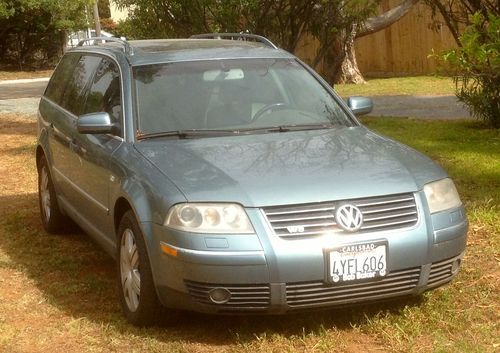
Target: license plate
[356,262]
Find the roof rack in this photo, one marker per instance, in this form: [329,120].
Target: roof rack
[127,48]
[236,36]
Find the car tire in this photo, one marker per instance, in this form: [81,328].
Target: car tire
[53,220]
[138,297]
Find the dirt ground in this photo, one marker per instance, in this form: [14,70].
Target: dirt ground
[50,302]
[58,292]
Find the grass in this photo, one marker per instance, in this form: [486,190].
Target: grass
[58,293]
[416,85]
[16,75]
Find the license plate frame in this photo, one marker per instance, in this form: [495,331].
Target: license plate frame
[356,255]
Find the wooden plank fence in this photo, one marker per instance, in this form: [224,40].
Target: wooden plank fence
[402,49]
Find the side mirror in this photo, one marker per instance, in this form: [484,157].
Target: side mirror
[360,105]
[96,123]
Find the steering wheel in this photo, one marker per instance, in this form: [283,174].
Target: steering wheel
[272,107]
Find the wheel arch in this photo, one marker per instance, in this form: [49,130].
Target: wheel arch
[39,154]
[122,205]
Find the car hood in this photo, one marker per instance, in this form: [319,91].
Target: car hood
[289,168]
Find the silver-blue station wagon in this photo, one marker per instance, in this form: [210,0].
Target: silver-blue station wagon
[225,176]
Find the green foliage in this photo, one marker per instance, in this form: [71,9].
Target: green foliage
[32,32]
[332,22]
[477,67]
[457,14]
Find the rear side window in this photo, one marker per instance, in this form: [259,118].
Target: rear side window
[105,92]
[74,94]
[61,77]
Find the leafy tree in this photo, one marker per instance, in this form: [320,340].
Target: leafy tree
[32,32]
[104,8]
[334,23]
[477,67]
[475,25]
[458,14]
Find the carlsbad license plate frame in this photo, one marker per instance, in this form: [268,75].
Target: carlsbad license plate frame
[351,263]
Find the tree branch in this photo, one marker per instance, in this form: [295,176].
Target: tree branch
[377,23]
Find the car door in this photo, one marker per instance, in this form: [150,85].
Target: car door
[94,151]
[62,103]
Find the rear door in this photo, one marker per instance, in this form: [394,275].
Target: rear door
[61,104]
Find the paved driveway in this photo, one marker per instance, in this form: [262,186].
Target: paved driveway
[21,89]
[423,107]
[23,97]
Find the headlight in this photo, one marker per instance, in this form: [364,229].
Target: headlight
[441,195]
[209,218]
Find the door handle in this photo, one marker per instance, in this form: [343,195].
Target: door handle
[73,146]
[76,147]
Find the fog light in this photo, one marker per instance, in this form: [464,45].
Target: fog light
[219,295]
[455,266]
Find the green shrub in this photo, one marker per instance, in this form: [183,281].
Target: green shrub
[476,65]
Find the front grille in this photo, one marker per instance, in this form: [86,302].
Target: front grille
[244,297]
[441,272]
[379,214]
[317,294]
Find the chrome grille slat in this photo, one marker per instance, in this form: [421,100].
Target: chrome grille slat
[324,224]
[380,213]
[380,286]
[253,297]
[315,294]
[440,272]
[390,223]
[352,296]
[272,211]
[296,235]
[383,202]
[386,209]
[295,219]
[399,275]
[390,216]
[436,279]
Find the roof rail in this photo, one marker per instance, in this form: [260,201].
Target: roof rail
[127,48]
[236,36]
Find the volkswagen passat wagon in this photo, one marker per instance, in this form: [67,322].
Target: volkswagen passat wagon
[225,176]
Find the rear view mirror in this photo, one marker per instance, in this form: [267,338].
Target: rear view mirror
[96,123]
[360,105]
[221,75]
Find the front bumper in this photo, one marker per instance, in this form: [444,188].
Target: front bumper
[265,274]
[277,298]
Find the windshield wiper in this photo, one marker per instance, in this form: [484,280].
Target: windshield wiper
[183,134]
[286,128]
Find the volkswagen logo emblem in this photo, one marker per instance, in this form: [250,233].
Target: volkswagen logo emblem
[349,217]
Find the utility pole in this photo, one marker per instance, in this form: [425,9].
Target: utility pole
[96,20]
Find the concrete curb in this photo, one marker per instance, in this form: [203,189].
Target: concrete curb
[25,80]
[27,106]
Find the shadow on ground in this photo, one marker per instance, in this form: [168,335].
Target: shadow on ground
[77,277]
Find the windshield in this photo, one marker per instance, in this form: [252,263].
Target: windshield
[233,95]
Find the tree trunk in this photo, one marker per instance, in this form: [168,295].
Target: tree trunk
[349,71]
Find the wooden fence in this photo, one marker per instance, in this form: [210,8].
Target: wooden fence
[401,49]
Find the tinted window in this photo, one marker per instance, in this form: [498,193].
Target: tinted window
[74,97]
[60,78]
[104,94]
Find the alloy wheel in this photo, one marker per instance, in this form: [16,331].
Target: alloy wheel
[45,193]
[129,270]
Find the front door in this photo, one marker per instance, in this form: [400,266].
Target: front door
[94,152]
